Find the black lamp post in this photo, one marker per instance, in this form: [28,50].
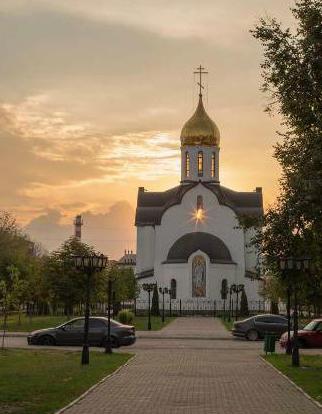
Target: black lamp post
[163,290]
[293,265]
[148,287]
[88,264]
[108,344]
[238,290]
[232,290]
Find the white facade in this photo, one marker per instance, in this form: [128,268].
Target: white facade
[154,242]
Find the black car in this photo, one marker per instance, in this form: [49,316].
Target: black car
[72,333]
[256,327]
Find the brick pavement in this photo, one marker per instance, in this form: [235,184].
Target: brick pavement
[195,376]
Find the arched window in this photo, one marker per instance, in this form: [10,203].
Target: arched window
[187,164]
[200,163]
[213,164]
[173,285]
[199,203]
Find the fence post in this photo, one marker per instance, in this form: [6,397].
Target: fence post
[214,308]
[180,310]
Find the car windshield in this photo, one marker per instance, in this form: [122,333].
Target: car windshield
[310,326]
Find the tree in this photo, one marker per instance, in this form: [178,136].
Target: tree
[67,286]
[244,304]
[292,76]
[155,311]
[20,261]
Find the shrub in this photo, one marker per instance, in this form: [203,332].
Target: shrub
[274,308]
[155,311]
[125,316]
[244,304]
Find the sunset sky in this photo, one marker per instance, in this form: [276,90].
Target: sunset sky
[93,96]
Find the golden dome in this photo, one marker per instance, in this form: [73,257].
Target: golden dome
[200,129]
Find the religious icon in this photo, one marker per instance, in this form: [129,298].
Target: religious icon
[198,277]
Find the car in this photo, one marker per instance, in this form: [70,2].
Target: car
[256,327]
[72,333]
[308,337]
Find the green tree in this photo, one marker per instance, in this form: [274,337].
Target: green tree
[155,311]
[244,304]
[292,76]
[67,286]
[19,257]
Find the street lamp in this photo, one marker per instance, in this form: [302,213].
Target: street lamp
[108,344]
[88,264]
[288,265]
[148,287]
[163,290]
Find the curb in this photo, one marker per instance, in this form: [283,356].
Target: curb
[93,387]
[197,338]
[291,382]
[16,334]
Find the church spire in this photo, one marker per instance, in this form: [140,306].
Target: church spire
[200,71]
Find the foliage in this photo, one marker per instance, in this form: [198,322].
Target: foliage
[125,316]
[66,284]
[274,308]
[155,311]
[292,76]
[44,381]
[20,263]
[244,304]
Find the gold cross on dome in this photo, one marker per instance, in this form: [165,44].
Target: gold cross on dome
[201,71]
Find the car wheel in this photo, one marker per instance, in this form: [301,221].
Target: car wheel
[252,335]
[46,340]
[115,342]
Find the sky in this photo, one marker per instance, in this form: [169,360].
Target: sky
[93,96]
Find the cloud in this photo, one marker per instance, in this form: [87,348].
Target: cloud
[110,232]
[212,21]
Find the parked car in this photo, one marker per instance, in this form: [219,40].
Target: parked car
[308,337]
[72,333]
[256,327]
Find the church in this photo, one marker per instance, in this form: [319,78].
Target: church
[189,238]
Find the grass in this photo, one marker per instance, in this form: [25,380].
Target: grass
[36,322]
[141,323]
[227,324]
[43,381]
[308,376]
[40,322]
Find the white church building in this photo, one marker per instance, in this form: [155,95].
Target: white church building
[189,237]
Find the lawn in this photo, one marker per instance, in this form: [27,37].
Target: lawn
[227,324]
[141,323]
[40,322]
[308,376]
[43,381]
[36,322]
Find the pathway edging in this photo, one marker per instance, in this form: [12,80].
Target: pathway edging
[93,387]
[292,382]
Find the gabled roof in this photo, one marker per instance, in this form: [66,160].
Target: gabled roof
[152,205]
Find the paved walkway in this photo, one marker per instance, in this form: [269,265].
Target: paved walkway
[195,376]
